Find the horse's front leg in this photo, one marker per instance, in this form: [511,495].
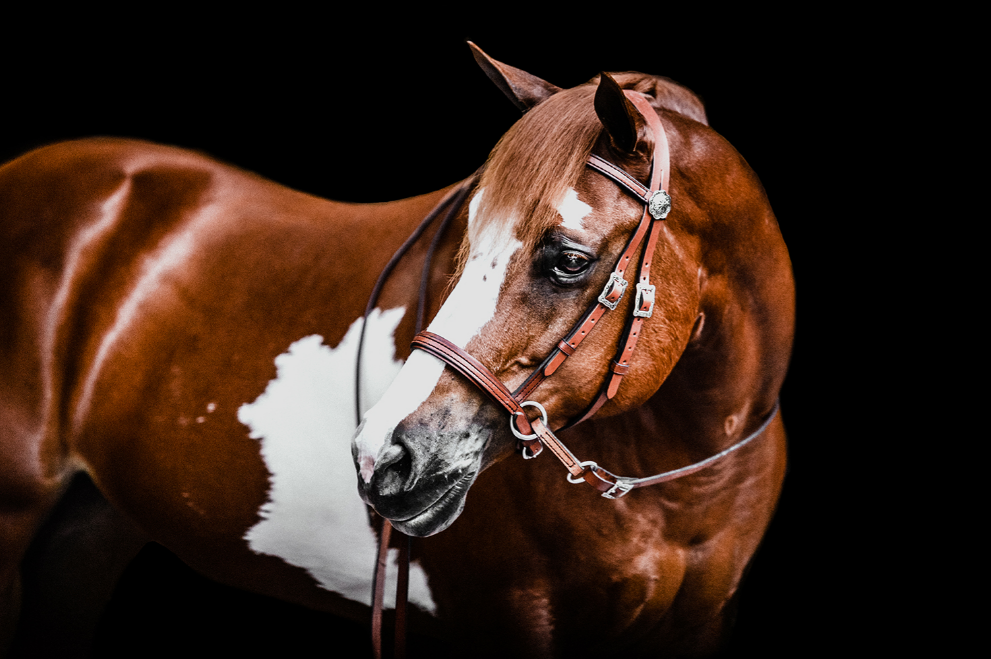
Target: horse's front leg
[70,571]
[25,501]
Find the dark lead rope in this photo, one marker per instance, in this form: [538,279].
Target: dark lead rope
[452,201]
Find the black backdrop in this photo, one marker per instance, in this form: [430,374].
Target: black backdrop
[313,100]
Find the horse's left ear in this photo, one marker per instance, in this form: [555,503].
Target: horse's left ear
[625,125]
[522,88]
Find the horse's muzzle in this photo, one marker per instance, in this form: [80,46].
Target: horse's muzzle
[418,502]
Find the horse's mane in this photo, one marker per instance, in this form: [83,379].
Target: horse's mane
[544,154]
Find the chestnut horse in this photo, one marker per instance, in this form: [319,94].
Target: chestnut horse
[187,333]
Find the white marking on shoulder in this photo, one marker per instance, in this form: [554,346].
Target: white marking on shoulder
[573,210]
[470,306]
[305,418]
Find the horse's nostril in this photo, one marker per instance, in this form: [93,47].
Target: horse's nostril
[391,455]
[392,470]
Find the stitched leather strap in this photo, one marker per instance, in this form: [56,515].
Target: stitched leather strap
[660,177]
[474,370]
[378,588]
[603,480]
[644,302]
[613,486]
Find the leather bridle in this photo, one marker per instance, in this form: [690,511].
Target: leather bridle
[534,434]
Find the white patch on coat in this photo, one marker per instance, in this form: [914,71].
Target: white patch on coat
[573,210]
[470,306]
[305,419]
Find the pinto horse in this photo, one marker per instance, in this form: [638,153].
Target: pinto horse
[187,335]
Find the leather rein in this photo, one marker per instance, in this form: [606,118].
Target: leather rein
[534,434]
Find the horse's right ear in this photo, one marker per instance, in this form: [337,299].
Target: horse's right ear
[522,88]
[624,123]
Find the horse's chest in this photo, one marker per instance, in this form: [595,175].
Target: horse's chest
[638,576]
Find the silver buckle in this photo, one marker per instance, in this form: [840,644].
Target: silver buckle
[641,289]
[615,280]
[619,489]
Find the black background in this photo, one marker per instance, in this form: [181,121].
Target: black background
[341,107]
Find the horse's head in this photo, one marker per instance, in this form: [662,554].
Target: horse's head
[544,234]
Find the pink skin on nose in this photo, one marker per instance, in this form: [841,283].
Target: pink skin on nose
[367,467]
[468,308]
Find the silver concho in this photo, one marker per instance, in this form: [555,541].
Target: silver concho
[659,205]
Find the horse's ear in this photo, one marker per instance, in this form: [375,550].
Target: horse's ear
[625,125]
[522,88]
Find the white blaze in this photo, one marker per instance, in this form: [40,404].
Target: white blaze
[573,210]
[305,419]
[470,306]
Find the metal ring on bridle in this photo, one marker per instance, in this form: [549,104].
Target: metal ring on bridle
[512,426]
[588,463]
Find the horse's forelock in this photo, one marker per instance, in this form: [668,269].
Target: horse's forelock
[533,165]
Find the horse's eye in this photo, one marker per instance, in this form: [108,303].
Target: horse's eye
[565,262]
[571,263]
[569,267]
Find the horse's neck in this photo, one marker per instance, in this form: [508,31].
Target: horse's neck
[729,375]
[714,388]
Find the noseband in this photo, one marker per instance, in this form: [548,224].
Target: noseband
[535,434]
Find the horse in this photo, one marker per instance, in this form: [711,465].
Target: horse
[187,335]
